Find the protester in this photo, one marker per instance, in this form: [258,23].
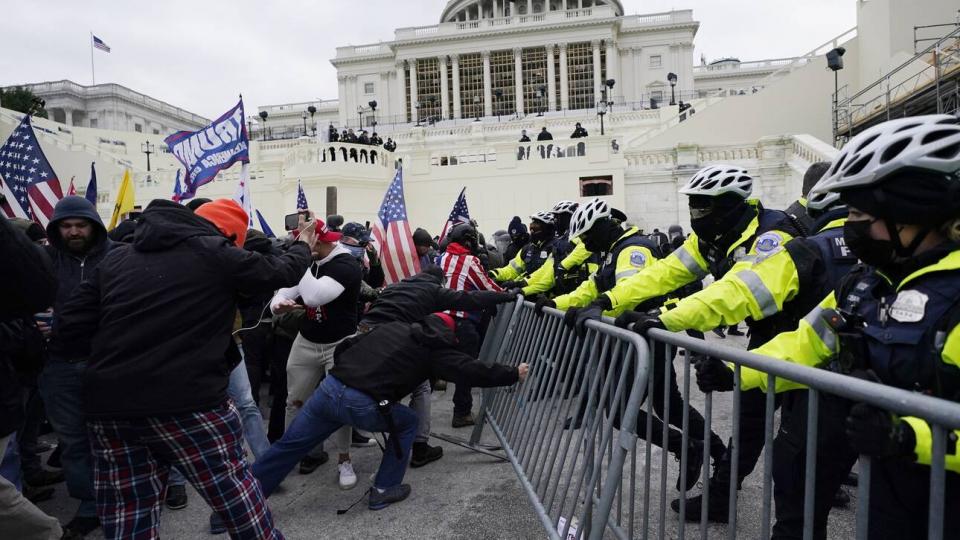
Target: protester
[426,247]
[376,140]
[179,280]
[389,146]
[518,238]
[329,291]
[524,137]
[332,134]
[372,373]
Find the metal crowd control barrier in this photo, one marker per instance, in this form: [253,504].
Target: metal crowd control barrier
[558,428]
[561,429]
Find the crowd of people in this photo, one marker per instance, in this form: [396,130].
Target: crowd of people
[371,139]
[147,349]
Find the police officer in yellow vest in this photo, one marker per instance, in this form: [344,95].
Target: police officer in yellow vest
[896,321]
[531,256]
[567,268]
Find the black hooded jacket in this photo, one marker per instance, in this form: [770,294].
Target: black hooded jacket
[72,269]
[390,361]
[155,317]
[418,296]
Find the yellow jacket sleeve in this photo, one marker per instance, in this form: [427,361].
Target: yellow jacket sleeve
[540,281]
[683,266]
[512,271]
[584,294]
[750,289]
[811,344]
[578,256]
[631,261]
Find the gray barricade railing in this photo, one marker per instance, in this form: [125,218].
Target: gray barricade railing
[590,472]
[559,429]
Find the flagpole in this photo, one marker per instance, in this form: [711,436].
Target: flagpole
[93,73]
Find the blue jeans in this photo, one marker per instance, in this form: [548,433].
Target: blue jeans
[60,386]
[253,431]
[332,406]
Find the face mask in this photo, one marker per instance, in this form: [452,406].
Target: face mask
[356,251]
[871,251]
[711,225]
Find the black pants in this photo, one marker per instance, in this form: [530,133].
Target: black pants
[834,460]
[29,432]
[468,342]
[279,351]
[900,500]
[256,351]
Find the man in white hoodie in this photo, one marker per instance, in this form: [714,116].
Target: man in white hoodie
[329,291]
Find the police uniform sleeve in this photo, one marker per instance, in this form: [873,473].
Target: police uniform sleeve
[540,281]
[812,344]
[756,287]
[585,293]
[578,256]
[681,267]
[512,271]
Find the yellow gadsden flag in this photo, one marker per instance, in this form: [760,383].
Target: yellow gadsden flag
[124,202]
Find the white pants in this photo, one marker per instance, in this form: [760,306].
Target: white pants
[307,364]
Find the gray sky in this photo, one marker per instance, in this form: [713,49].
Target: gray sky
[200,54]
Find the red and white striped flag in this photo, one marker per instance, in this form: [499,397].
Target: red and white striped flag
[72,190]
[27,181]
[391,230]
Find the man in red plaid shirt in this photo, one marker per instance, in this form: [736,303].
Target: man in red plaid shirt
[464,272]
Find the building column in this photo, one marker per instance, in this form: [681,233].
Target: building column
[597,75]
[579,4]
[401,92]
[414,98]
[444,92]
[342,96]
[455,58]
[635,54]
[518,79]
[529,7]
[487,86]
[564,81]
[613,61]
[354,99]
[551,81]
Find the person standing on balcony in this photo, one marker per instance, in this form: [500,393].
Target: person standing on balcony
[332,134]
[578,132]
[524,137]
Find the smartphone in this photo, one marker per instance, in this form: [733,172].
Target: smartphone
[291,222]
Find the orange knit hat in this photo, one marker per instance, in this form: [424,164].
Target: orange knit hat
[229,217]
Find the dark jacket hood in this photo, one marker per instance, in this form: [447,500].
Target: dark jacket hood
[164,224]
[432,333]
[433,275]
[73,207]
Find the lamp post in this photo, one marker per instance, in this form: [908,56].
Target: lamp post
[416,105]
[604,104]
[835,63]
[312,110]
[476,107]
[498,94]
[373,109]
[147,149]
[672,79]
[263,126]
[304,115]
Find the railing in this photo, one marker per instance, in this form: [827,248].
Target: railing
[336,153]
[571,432]
[551,150]
[804,59]
[752,66]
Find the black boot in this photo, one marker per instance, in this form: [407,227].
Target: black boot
[694,464]
[719,504]
[423,453]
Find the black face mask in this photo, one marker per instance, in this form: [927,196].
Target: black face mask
[541,234]
[712,226]
[871,251]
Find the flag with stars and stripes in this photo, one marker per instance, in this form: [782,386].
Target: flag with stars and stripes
[391,230]
[242,196]
[27,181]
[459,214]
[301,198]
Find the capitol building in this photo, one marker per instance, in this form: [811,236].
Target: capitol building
[457,95]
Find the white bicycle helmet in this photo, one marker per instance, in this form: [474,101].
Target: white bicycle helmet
[931,143]
[716,180]
[565,207]
[545,217]
[585,216]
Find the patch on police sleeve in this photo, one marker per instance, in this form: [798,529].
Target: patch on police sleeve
[909,307]
[767,243]
[638,259]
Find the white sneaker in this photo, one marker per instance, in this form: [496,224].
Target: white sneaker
[348,478]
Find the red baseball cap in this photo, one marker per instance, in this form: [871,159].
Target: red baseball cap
[447,320]
[324,234]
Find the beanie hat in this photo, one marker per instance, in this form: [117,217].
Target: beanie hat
[422,238]
[447,320]
[516,227]
[228,217]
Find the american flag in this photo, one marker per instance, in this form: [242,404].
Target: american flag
[99,44]
[301,198]
[459,214]
[26,178]
[177,189]
[392,233]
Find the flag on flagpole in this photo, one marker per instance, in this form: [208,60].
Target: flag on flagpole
[91,194]
[301,198]
[124,204]
[263,225]
[207,151]
[392,233]
[99,44]
[72,190]
[27,181]
[459,214]
[177,189]
[242,196]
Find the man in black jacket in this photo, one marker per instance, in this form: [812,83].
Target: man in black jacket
[155,320]
[371,375]
[78,243]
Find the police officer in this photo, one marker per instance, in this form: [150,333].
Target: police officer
[896,321]
[570,262]
[731,233]
[530,257]
[798,210]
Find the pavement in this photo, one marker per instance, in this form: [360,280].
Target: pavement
[465,495]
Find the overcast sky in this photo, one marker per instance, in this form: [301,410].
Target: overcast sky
[199,54]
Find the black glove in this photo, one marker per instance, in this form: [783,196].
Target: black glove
[570,317]
[505,297]
[543,302]
[593,312]
[876,432]
[514,292]
[642,322]
[714,376]
[513,284]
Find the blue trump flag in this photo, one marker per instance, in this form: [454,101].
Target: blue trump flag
[210,150]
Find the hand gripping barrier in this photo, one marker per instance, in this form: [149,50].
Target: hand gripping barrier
[560,429]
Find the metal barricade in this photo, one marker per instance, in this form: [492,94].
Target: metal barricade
[560,429]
